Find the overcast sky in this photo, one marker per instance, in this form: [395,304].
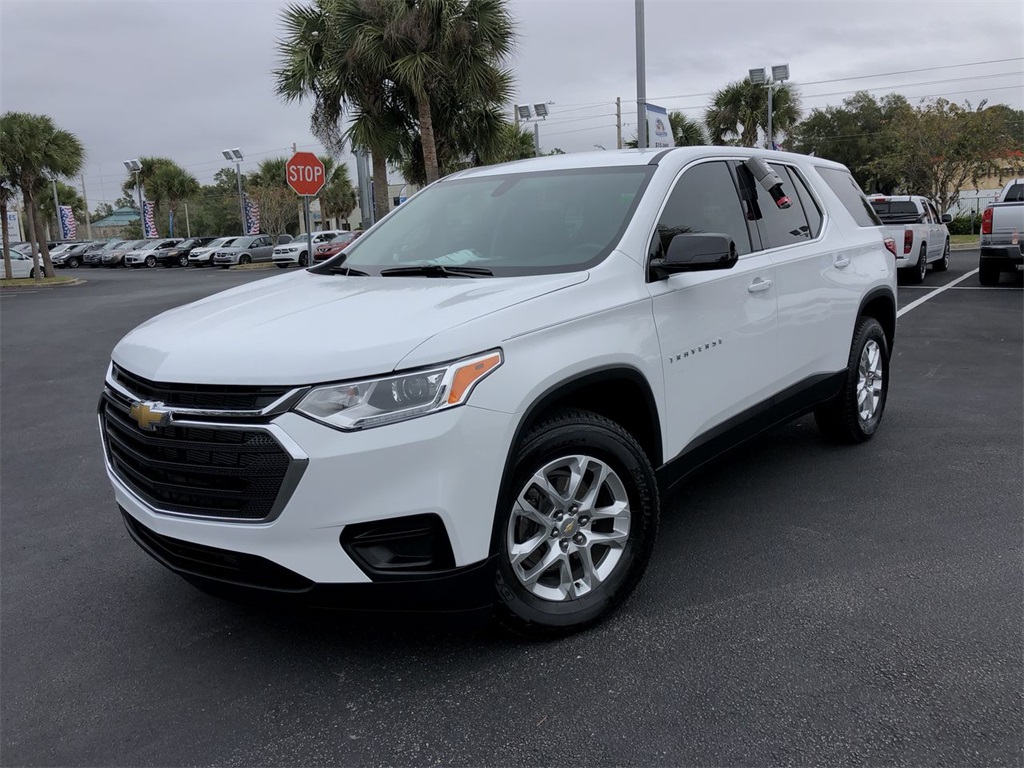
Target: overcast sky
[187,78]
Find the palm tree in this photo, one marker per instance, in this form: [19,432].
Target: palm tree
[147,177]
[338,197]
[268,186]
[323,59]
[7,193]
[34,147]
[438,43]
[67,195]
[173,183]
[741,108]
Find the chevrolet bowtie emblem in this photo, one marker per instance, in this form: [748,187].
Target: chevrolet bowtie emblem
[149,415]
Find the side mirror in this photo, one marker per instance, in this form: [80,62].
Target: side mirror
[947,218]
[698,252]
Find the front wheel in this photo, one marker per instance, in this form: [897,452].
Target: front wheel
[303,259]
[577,526]
[151,261]
[943,264]
[183,261]
[854,415]
[73,263]
[244,259]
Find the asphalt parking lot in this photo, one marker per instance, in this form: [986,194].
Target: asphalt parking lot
[807,604]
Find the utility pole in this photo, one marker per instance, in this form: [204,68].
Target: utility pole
[85,201]
[56,210]
[771,141]
[536,139]
[188,227]
[641,79]
[618,122]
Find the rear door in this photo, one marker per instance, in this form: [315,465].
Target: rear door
[717,329]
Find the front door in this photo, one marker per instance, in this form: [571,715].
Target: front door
[717,329]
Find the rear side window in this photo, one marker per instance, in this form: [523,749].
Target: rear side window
[1014,194]
[704,200]
[811,210]
[850,195]
[777,226]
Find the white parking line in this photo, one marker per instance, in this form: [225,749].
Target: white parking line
[933,294]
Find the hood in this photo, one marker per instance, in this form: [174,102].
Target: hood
[305,328]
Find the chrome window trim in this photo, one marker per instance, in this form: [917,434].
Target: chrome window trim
[299,462]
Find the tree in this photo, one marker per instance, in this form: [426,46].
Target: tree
[739,109]
[7,193]
[338,197]
[147,176]
[268,187]
[174,184]
[856,134]
[126,201]
[67,195]
[102,211]
[940,146]
[512,143]
[34,148]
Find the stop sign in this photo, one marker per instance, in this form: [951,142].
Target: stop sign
[305,173]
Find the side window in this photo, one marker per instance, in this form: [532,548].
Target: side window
[928,217]
[777,226]
[703,200]
[935,212]
[850,195]
[811,210]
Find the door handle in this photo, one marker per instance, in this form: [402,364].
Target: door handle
[842,262]
[759,285]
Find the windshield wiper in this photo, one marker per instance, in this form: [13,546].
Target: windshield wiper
[348,271]
[437,270]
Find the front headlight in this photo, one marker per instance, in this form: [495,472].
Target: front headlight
[385,400]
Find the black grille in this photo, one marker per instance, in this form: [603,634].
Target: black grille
[202,471]
[206,396]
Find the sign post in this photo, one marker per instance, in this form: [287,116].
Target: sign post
[305,175]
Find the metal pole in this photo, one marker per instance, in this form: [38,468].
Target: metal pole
[618,122]
[771,89]
[142,217]
[641,79]
[309,233]
[56,211]
[188,227]
[85,201]
[536,139]
[241,197]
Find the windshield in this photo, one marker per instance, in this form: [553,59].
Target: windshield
[513,224]
[240,242]
[895,210]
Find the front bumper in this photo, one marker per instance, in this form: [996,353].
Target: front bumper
[286,258]
[447,465]
[224,261]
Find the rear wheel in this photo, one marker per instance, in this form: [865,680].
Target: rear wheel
[988,273]
[853,416]
[943,264]
[32,273]
[916,274]
[576,530]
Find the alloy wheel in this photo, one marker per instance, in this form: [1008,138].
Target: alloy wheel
[869,381]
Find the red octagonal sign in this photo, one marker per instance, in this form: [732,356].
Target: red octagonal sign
[305,173]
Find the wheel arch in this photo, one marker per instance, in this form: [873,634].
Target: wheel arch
[881,305]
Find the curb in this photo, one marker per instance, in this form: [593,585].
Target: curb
[251,266]
[31,285]
[964,247]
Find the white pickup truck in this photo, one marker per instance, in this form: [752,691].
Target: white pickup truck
[1002,234]
[914,221]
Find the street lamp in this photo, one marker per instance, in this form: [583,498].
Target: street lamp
[539,112]
[235,155]
[780,74]
[134,166]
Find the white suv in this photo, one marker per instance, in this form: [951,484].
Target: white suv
[297,251]
[482,402]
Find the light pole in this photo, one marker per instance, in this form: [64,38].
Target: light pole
[641,79]
[539,112]
[235,155]
[134,166]
[780,74]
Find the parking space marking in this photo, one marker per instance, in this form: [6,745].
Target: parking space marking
[918,302]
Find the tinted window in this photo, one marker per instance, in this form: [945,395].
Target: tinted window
[811,210]
[777,226]
[1014,194]
[896,210]
[849,194]
[703,200]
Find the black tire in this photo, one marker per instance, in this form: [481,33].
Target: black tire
[839,419]
[244,259]
[281,266]
[150,262]
[183,261]
[942,264]
[915,275]
[303,259]
[570,433]
[32,273]
[73,263]
[988,273]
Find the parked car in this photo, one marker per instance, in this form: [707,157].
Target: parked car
[21,261]
[914,221]
[71,257]
[1002,234]
[297,251]
[148,255]
[203,255]
[115,256]
[178,255]
[333,247]
[504,372]
[244,250]
[94,254]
